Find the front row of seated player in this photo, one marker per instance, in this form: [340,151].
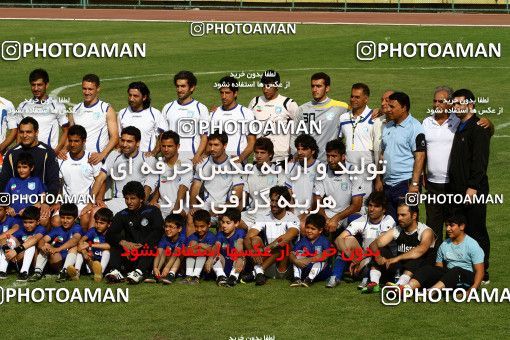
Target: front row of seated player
[232,255]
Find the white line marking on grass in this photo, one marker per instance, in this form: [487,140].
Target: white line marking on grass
[252,21]
[501,136]
[500,126]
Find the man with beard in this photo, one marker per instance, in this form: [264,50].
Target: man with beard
[414,241]
[217,187]
[186,107]
[175,182]
[142,115]
[366,228]
[271,108]
[274,231]
[258,183]
[124,166]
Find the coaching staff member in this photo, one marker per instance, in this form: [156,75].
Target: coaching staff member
[45,162]
[467,172]
[403,148]
[133,228]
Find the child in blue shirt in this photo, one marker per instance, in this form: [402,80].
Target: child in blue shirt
[459,261]
[229,239]
[93,248]
[20,242]
[307,256]
[59,244]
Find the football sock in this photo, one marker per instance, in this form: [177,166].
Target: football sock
[79,262]
[375,275]
[190,265]
[40,262]
[338,268]
[3,261]
[218,269]
[403,279]
[105,258]
[316,269]
[70,260]
[28,256]
[199,264]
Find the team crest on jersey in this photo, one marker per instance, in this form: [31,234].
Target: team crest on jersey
[85,169]
[144,222]
[24,238]
[330,115]
[318,249]
[96,240]
[344,186]
[31,185]
[13,186]
[278,110]
[5,228]
[96,114]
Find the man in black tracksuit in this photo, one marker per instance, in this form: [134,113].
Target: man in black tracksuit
[467,171]
[45,162]
[134,231]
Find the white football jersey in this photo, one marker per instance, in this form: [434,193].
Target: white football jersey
[219,188]
[169,185]
[339,187]
[172,115]
[49,113]
[240,116]
[302,184]
[368,230]
[123,169]
[257,185]
[93,119]
[280,109]
[8,118]
[78,175]
[149,121]
[274,227]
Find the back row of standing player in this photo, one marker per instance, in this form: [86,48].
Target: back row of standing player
[361,128]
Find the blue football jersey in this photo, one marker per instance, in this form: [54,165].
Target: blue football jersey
[24,188]
[318,246]
[22,234]
[230,241]
[166,242]
[59,235]
[9,223]
[95,237]
[208,238]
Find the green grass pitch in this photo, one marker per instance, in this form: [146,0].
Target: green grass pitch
[210,312]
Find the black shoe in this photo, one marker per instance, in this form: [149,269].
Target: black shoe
[3,275]
[62,276]
[307,282]
[260,279]
[36,276]
[296,282]
[247,278]
[232,281]
[221,281]
[169,279]
[22,277]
